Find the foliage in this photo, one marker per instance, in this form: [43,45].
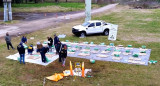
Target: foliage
[73,5]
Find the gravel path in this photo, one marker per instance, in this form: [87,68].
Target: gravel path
[30,26]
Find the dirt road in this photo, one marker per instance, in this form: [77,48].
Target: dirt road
[30,26]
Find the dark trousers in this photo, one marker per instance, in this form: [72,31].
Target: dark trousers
[22,58]
[9,44]
[56,49]
[60,57]
[43,57]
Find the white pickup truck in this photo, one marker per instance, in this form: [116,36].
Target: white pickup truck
[91,27]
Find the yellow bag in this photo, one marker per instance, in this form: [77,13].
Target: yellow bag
[56,77]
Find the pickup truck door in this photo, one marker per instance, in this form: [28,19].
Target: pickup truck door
[91,28]
[99,27]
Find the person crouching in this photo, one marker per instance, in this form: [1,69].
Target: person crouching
[30,49]
[43,51]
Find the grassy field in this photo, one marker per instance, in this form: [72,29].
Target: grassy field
[49,7]
[136,27]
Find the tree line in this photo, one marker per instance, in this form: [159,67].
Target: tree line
[93,1]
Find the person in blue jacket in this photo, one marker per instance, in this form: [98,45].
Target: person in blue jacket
[56,41]
[21,51]
[43,51]
[24,39]
[30,49]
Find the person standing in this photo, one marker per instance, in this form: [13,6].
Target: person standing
[8,41]
[58,49]
[63,53]
[21,51]
[24,39]
[43,51]
[56,40]
[50,43]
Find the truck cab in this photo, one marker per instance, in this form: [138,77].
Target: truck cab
[92,27]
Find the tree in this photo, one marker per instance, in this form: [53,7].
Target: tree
[56,1]
[1,2]
[35,1]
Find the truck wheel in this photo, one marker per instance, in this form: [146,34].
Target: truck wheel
[106,32]
[82,34]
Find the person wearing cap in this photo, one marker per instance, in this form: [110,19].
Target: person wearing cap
[21,51]
[56,40]
[30,49]
[43,51]
[39,46]
[24,39]
[8,41]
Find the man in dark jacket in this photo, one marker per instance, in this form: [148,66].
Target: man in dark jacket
[21,51]
[63,53]
[56,40]
[8,41]
[50,43]
[43,51]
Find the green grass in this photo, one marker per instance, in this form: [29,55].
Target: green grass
[73,5]
[105,73]
[49,7]
[9,22]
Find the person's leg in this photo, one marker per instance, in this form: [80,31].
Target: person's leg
[56,49]
[45,58]
[7,45]
[60,60]
[11,45]
[29,53]
[64,61]
[23,58]
[50,48]
[41,56]
[20,58]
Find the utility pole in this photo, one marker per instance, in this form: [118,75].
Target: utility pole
[7,10]
[88,10]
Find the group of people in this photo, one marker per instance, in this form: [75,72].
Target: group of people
[61,49]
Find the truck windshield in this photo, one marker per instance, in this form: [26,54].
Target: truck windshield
[85,24]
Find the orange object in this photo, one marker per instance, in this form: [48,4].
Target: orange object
[71,71]
[56,77]
[83,69]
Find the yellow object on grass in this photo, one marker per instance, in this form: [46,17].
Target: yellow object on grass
[56,77]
